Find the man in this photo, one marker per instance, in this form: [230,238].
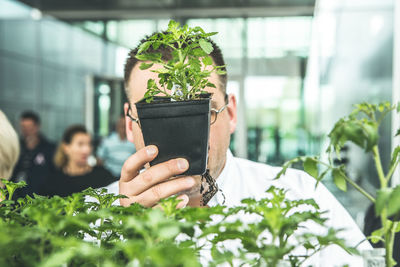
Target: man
[237,178]
[115,149]
[36,159]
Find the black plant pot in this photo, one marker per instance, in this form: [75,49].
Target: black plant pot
[179,129]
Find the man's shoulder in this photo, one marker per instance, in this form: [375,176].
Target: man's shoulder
[268,171]
[261,175]
[46,143]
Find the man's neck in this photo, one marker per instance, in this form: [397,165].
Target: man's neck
[32,142]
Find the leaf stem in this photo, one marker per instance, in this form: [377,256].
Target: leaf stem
[391,171]
[389,242]
[378,165]
[351,182]
[362,191]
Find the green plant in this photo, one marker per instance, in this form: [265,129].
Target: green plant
[185,75]
[361,128]
[41,231]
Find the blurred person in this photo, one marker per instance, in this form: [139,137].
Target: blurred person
[36,159]
[115,149]
[236,178]
[9,148]
[73,172]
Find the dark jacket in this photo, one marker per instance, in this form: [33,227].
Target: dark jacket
[62,184]
[34,166]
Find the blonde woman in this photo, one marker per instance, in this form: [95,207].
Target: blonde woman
[73,172]
[9,148]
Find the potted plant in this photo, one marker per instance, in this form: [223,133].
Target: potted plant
[174,113]
[361,128]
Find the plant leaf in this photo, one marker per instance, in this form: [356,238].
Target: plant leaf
[376,236]
[382,197]
[145,66]
[310,167]
[143,47]
[206,46]
[394,202]
[207,61]
[339,179]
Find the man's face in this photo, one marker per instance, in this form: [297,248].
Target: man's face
[220,131]
[29,128]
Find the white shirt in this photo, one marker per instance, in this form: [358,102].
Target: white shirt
[243,178]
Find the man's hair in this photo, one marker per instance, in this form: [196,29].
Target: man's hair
[9,147]
[166,54]
[30,115]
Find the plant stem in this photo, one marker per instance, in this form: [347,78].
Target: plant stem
[359,189]
[351,182]
[389,242]
[378,165]
[391,171]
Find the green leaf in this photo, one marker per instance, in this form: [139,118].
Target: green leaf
[394,202]
[154,57]
[206,46]
[221,72]
[377,236]
[207,61]
[172,25]
[397,229]
[310,167]
[198,52]
[382,198]
[163,71]
[211,85]
[143,47]
[398,132]
[339,179]
[145,66]
[156,45]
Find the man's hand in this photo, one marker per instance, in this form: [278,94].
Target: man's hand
[150,186]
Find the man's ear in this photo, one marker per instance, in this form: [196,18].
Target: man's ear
[232,113]
[128,124]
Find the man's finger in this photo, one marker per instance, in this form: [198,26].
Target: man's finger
[184,201]
[150,197]
[155,175]
[135,163]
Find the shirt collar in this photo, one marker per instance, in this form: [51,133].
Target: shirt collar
[222,180]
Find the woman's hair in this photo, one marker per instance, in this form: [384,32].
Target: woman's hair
[9,147]
[60,158]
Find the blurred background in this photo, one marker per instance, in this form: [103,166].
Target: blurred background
[296,66]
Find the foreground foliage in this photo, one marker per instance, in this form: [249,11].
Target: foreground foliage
[85,229]
[361,128]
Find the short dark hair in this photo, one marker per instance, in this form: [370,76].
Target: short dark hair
[131,61]
[30,115]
